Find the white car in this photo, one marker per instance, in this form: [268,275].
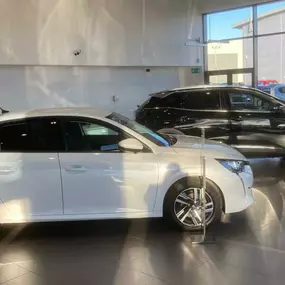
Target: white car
[82,164]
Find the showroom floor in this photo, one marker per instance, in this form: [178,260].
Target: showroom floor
[249,247]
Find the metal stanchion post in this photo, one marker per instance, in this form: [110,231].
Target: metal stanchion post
[203,238]
[202,192]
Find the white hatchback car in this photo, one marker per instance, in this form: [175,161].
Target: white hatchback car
[81,164]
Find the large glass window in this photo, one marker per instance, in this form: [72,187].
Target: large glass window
[230,54]
[271,18]
[271,60]
[223,25]
[230,39]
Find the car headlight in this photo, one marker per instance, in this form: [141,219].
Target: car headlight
[236,166]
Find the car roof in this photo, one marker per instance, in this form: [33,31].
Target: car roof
[209,87]
[72,111]
[168,91]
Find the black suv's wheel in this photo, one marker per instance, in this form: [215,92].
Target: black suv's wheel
[183,210]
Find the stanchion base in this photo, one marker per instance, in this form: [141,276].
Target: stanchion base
[199,238]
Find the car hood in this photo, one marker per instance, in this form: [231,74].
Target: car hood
[213,149]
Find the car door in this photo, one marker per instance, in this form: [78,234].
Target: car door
[257,123]
[204,109]
[30,182]
[99,179]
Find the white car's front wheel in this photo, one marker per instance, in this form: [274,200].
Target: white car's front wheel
[183,208]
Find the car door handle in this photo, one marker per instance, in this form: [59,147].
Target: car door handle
[7,170]
[76,169]
[237,119]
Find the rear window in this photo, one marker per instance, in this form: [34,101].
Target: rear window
[173,100]
[196,99]
[151,103]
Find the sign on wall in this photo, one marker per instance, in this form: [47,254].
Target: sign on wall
[196,70]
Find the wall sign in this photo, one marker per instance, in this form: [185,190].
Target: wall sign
[195,69]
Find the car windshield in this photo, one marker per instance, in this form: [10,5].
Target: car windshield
[145,132]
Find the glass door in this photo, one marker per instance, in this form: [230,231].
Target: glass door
[240,77]
[218,79]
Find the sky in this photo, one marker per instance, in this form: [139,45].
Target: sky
[220,24]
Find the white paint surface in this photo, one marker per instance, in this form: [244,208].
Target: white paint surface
[43,87]
[118,39]
[108,32]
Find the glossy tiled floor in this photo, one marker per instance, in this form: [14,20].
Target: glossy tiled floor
[250,248]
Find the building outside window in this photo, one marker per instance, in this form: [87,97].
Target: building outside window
[230,41]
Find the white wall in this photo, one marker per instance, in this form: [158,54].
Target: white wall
[41,87]
[109,32]
[118,40]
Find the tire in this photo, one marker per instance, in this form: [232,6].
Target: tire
[170,132]
[171,208]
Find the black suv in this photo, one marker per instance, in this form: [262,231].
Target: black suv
[245,118]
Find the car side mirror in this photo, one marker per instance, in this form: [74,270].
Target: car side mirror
[130,145]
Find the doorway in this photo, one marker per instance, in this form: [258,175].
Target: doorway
[240,77]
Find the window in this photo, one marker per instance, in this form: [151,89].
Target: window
[232,54]
[97,130]
[202,100]
[35,135]
[249,101]
[282,89]
[235,24]
[174,100]
[270,18]
[143,131]
[85,136]
[14,138]
[45,135]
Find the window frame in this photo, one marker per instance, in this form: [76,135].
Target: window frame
[250,92]
[81,119]
[218,91]
[26,121]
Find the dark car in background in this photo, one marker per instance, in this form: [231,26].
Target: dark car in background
[275,90]
[245,118]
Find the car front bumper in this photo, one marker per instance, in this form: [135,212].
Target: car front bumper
[243,188]
[236,188]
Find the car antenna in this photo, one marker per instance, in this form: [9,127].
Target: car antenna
[4,111]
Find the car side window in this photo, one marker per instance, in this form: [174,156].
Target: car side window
[34,135]
[174,100]
[249,101]
[45,135]
[282,90]
[82,136]
[14,137]
[203,100]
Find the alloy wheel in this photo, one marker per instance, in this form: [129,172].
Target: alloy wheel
[188,207]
